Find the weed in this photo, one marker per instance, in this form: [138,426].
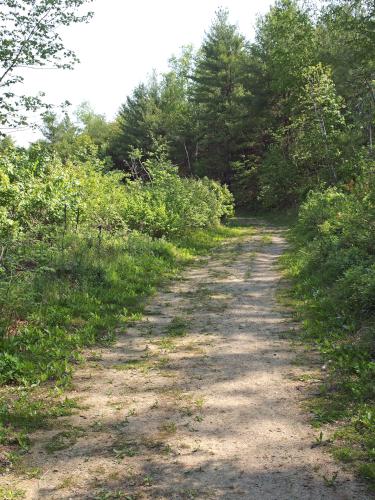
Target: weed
[186,411]
[162,363]
[266,239]
[11,494]
[347,454]
[330,482]
[320,441]
[166,344]
[367,471]
[28,472]
[64,439]
[177,327]
[126,449]
[143,365]
[67,482]
[169,427]
[97,426]
[147,481]
[199,402]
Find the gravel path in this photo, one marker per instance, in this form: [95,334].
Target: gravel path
[200,399]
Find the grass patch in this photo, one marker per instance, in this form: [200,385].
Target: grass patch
[169,428]
[143,365]
[65,439]
[177,327]
[202,242]
[11,494]
[266,239]
[67,482]
[125,449]
[166,344]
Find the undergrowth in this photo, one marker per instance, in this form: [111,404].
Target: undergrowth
[331,267]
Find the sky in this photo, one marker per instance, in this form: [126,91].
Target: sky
[124,42]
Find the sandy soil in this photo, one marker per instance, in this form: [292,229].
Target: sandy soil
[200,399]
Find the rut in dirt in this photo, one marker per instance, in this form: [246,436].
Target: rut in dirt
[199,400]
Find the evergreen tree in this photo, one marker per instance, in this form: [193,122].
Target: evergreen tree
[138,123]
[219,94]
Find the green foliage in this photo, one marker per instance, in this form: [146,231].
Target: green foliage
[78,254]
[87,139]
[158,112]
[11,494]
[30,37]
[286,44]
[308,152]
[219,94]
[333,269]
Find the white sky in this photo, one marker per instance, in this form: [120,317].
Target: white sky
[124,42]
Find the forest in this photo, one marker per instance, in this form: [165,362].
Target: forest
[97,215]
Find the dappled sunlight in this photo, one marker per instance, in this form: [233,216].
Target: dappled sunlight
[195,400]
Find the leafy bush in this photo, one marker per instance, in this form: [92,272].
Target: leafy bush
[332,263]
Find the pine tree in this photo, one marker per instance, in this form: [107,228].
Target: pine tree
[218,93]
[138,123]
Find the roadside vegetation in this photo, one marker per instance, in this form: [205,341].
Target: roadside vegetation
[331,266]
[81,250]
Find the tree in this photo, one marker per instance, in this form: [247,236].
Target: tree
[307,152]
[29,37]
[137,123]
[347,44]
[159,113]
[178,121]
[219,93]
[284,46]
[96,128]
[67,140]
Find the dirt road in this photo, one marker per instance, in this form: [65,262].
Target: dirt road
[200,399]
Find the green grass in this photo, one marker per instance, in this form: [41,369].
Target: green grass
[203,241]
[266,239]
[142,365]
[177,327]
[166,344]
[11,494]
[64,439]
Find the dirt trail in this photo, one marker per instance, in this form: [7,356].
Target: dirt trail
[198,400]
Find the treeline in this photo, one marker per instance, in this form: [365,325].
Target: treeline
[273,118]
